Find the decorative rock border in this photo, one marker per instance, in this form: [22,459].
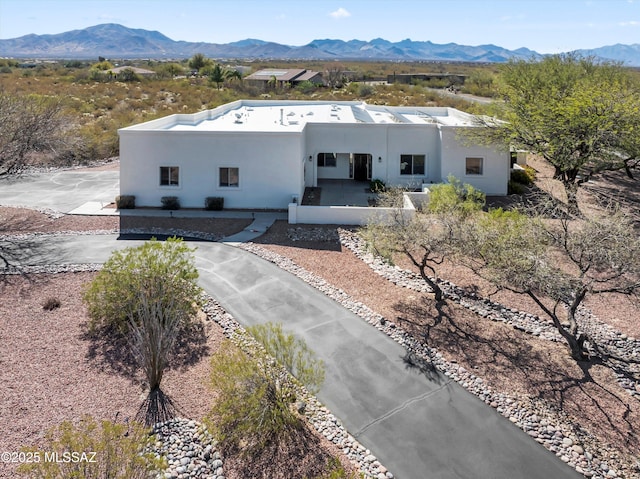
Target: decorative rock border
[608,339]
[186,444]
[172,232]
[546,425]
[189,449]
[550,427]
[316,414]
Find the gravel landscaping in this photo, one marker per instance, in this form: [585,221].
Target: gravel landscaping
[587,417]
[498,349]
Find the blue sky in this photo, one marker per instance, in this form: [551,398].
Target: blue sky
[546,26]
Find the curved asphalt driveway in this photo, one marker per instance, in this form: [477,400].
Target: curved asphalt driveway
[419,426]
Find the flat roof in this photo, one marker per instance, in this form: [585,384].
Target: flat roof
[283,116]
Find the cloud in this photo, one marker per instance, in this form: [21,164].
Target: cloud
[632,23]
[340,13]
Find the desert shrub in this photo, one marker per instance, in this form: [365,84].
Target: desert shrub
[306,87]
[214,203]
[125,202]
[118,448]
[335,470]
[531,172]
[525,177]
[170,203]
[51,303]
[290,352]
[365,90]
[515,188]
[252,409]
[377,185]
[165,271]
[455,196]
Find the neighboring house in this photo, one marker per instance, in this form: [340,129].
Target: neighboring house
[262,154]
[280,78]
[138,71]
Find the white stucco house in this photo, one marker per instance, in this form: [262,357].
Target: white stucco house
[262,154]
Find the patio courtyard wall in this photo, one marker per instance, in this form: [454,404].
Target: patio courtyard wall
[350,215]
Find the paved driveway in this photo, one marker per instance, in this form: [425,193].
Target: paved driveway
[418,425]
[61,191]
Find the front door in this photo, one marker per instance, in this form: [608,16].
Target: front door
[361,166]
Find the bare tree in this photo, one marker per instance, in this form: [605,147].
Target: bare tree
[153,331]
[335,76]
[29,124]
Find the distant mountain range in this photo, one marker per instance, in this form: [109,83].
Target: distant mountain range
[116,41]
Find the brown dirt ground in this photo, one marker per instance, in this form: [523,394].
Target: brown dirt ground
[507,359]
[89,376]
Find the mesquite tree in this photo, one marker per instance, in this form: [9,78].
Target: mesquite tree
[429,236]
[579,114]
[557,262]
[29,124]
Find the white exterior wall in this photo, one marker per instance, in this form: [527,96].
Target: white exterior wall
[385,143]
[276,165]
[341,170]
[359,138]
[270,167]
[496,162]
[412,140]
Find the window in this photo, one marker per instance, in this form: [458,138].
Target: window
[230,177]
[169,176]
[412,164]
[327,160]
[473,166]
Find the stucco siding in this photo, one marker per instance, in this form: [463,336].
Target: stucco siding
[495,162]
[412,140]
[269,165]
[262,154]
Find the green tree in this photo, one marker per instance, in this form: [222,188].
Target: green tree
[119,452]
[557,263]
[217,75]
[163,270]
[128,75]
[233,74]
[149,294]
[170,70]
[103,65]
[429,236]
[198,61]
[573,111]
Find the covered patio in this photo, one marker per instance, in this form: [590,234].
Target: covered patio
[339,192]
